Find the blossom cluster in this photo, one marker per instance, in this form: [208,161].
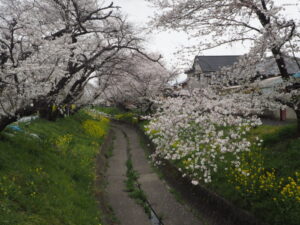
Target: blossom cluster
[202,131]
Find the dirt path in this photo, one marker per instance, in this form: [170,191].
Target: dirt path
[157,192]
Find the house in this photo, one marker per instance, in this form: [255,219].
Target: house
[211,64]
[204,66]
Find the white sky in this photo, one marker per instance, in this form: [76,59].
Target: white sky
[167,43]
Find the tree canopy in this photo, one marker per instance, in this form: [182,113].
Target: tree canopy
[50,50]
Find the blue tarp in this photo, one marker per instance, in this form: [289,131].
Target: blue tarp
[297,75]
[15,128]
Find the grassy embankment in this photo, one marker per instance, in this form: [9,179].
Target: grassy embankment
[47,171]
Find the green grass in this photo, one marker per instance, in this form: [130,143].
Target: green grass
[131,117]
[281,148]
[49,180]
[110,110]
[133,189]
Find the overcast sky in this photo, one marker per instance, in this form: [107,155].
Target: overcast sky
[139,12]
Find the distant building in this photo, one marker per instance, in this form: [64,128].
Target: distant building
[211,64]
[204,66]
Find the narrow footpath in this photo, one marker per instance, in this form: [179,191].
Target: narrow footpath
[158,195]
[125,208]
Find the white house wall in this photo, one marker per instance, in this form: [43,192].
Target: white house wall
[290,114]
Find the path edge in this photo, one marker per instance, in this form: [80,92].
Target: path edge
[100,182]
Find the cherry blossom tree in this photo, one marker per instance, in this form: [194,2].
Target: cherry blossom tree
[49,49]
[259,23]
[136,82]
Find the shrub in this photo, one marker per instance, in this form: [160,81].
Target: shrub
[95,128]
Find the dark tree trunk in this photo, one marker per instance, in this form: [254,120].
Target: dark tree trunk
[25,111]
[280,63]
[5,121]
[265,21]
[121,106]
[298,121]
[149,109]
[40,105]
[48,113]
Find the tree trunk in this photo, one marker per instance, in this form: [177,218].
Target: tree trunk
[298,121]
[47,113]
[25,111]
[39,105]
[4,121]
[266,23]
[280,63]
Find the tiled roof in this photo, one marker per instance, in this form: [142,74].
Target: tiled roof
[267,67]
[215,63]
